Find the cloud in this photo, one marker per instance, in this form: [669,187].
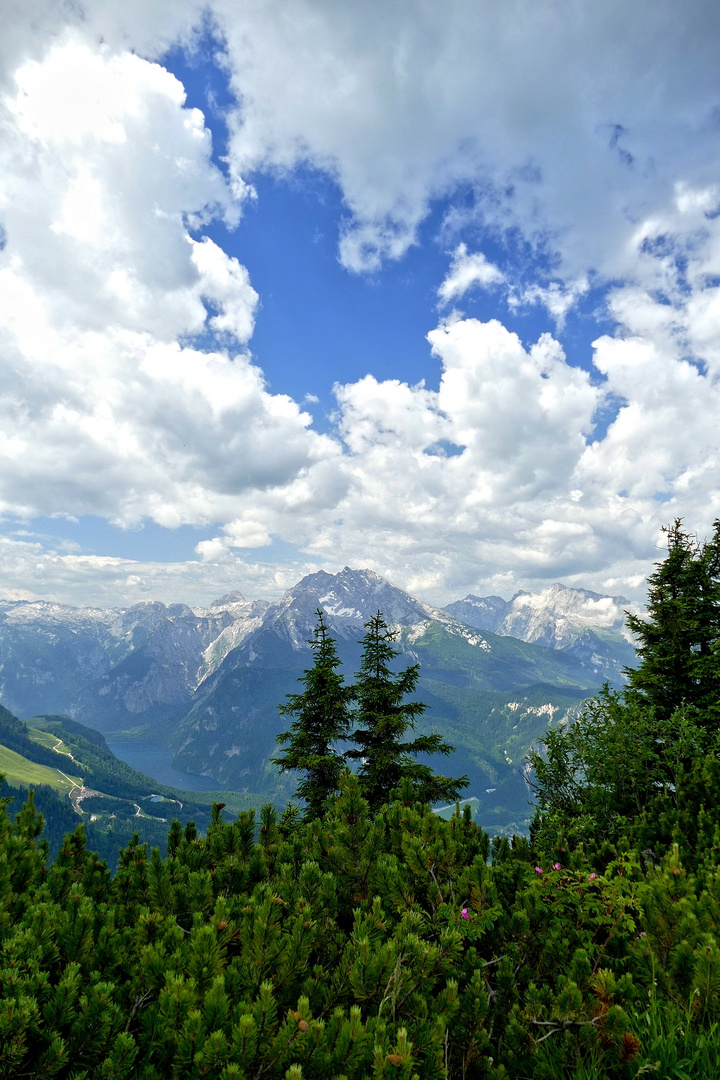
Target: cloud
[127,388]
[566,129]
[127,427]
[226,284]
[31,26]
[108,403]
[503,474]
[96,189]
[30,572]
[466,271]
[663,364]
[557,298]
[569,131]
[518,420]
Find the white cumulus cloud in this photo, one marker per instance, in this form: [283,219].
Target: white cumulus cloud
[127,389]
[31,572]
[107,406]
[568,125]
[466,271]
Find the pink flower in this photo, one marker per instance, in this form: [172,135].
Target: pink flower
[557,866]
[538,870]
[465,913]
[591,877]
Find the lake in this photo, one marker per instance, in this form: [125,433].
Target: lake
[156,761]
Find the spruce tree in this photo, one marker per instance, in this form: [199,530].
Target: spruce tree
[384,716]
[638,766]
[322,714]
[679,637]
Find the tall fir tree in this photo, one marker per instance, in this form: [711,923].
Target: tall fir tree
[640,765]
[383,717]
[680,635]
[322,713]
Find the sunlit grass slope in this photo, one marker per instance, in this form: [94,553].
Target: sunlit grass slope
[18,770]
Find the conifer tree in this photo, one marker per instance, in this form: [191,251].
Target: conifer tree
[679,637]
[384,716]
[634,766]
[322,714]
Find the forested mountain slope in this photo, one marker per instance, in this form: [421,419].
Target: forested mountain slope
[77,780]
[491,696]
[207,683]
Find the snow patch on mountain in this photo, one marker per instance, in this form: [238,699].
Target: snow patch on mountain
[587,624]
[414,633]
[227,640]
[475,639]
[34,612]
[333,605]
[554,617]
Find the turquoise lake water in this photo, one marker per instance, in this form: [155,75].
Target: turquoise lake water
[156,761]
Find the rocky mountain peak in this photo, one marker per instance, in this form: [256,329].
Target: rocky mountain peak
[586,623]
[227,600]
[578,608]
[348,600]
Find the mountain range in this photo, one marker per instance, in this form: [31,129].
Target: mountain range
[206,682]
[585,624]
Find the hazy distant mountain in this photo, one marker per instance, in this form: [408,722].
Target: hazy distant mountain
[206,682]
[107,667]
[585,624]
[489,695]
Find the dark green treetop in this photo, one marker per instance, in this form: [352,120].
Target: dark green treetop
[356,946]
[678,639]
[383,717]
[639,766]
[322,713]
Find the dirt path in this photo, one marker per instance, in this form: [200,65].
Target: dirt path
[65,753]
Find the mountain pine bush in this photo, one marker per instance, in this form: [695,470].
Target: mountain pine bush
[353,945]
[381,942]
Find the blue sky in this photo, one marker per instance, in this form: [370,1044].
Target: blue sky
[318,323]
[300,285]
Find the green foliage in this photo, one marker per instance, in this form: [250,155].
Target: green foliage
[383,717]
[379,940]
[354,945]
[14,734]
[121,803]
[377,703]
[678,641]
[98,766]
[322,714]
[31,774]
[640,768]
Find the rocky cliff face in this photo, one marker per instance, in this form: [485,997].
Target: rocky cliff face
[588,625]
[348,600]
[229,732]
[109,666]
[206,682]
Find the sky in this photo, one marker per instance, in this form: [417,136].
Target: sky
[289,285]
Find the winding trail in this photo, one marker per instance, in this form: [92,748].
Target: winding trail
[65,753]
[78,791]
